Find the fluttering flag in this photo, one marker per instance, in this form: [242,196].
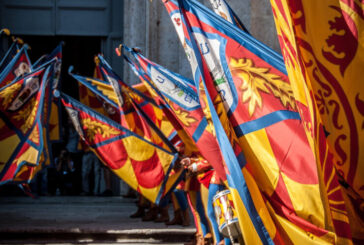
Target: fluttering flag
[175,95]
[17,67]
[322,48]
[141,164]
[247,198]
[21,134]
[246,82]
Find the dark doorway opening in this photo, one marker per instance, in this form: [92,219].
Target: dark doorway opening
[78,52]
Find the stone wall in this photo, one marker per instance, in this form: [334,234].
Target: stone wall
[147,25]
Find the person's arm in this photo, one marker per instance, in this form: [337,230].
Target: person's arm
[198,165]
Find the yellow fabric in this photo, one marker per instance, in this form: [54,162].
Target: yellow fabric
[54,123]
[7,148]
[140,151]
[323,51]
[321,19]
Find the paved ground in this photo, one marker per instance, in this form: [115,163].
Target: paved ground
[75,219]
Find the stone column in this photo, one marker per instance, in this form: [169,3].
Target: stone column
[262,24]
[135,31]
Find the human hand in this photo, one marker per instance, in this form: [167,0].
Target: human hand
[185,162]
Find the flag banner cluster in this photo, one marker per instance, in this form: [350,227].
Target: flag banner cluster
[281,133]
[142,165]
[246,81]
[175,94]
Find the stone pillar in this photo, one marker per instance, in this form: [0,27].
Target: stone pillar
[135,31]
[164,45]
[262,24]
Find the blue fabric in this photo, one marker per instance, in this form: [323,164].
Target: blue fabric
[181,199]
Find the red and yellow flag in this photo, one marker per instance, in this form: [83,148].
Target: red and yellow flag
[323,52]
[143,165]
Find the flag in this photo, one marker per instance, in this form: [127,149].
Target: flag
[247,80]
[176,95]
[18,66]
[322,52]
[21,134]
[143,165]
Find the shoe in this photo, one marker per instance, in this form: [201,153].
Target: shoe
[186,218]
[130,194]
[85,193]
[107,193]
[197,239]
[177,220]
[151,215]
[163,217]
[138,214]
[208,239]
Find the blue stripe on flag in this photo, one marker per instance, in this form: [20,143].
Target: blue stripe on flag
[265,121]
[201,127]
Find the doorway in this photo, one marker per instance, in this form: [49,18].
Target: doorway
[77,51]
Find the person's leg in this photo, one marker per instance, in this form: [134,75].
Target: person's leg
[163,210]
[177,219]
[44,182]
[183,204]
[97,174]
[86,169]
